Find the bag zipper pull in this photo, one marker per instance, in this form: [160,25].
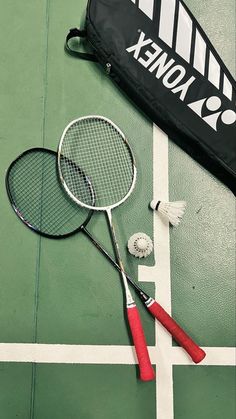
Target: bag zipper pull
[108,68]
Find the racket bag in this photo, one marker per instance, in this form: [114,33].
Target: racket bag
[158,54]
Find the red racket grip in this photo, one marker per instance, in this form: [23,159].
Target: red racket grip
[196,353]
[147,372]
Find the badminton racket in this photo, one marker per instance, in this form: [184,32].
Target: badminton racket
[39,201]
[98,148]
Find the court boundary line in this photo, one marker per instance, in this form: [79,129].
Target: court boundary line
[107,354]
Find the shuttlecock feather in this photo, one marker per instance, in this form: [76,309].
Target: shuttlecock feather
[173,211]
[140,245]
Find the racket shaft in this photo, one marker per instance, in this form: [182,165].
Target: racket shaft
[194,351]
[146,370]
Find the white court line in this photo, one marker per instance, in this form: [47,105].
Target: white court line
[160,275]
[107,355]
[164,387]
[163,354]
[68,354]
[215,356]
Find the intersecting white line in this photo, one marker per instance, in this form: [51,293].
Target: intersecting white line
[166,355]
[163,354]
[164,385]
[106,355]
[160,275]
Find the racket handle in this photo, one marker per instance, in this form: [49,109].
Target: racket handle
[147,372]
[195,352]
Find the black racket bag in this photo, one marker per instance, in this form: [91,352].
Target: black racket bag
[160,57]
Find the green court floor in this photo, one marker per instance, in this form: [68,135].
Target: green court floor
[55,293]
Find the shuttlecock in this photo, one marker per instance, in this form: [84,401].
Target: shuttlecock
[140,245]
[173,211]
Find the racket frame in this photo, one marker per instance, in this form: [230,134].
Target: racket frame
[18,212]
[59,154]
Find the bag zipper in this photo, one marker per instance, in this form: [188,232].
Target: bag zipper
[108,68]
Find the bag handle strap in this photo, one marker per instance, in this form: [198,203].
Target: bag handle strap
[78,33]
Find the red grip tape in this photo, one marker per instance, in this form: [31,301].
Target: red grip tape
[195,352]
[147,372]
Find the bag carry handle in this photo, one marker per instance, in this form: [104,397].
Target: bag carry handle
[78,33]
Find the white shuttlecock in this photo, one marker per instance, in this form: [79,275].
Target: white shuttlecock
[140,245]
[173,211]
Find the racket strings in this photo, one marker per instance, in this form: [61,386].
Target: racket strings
[38,197]
[47,195]
[101,152]
[23,170]
[109,136]
[36,191]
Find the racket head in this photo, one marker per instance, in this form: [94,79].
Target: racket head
[96,145]
[38,199]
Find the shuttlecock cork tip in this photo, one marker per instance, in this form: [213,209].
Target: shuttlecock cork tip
[153,205]
[142,244]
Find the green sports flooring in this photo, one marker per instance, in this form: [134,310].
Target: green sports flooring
[63,292]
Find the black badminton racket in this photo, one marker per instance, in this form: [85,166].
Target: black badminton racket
[39,201]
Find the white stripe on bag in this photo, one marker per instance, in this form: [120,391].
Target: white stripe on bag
[167,21]
[214,71]
[184,34]
[199,53]
[227,88]
[147,7]
[184,40]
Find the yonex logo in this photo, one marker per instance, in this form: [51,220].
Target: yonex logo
[157,62]
[174,77]
[213,104]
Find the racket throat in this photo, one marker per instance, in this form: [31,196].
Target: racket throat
[128,296]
